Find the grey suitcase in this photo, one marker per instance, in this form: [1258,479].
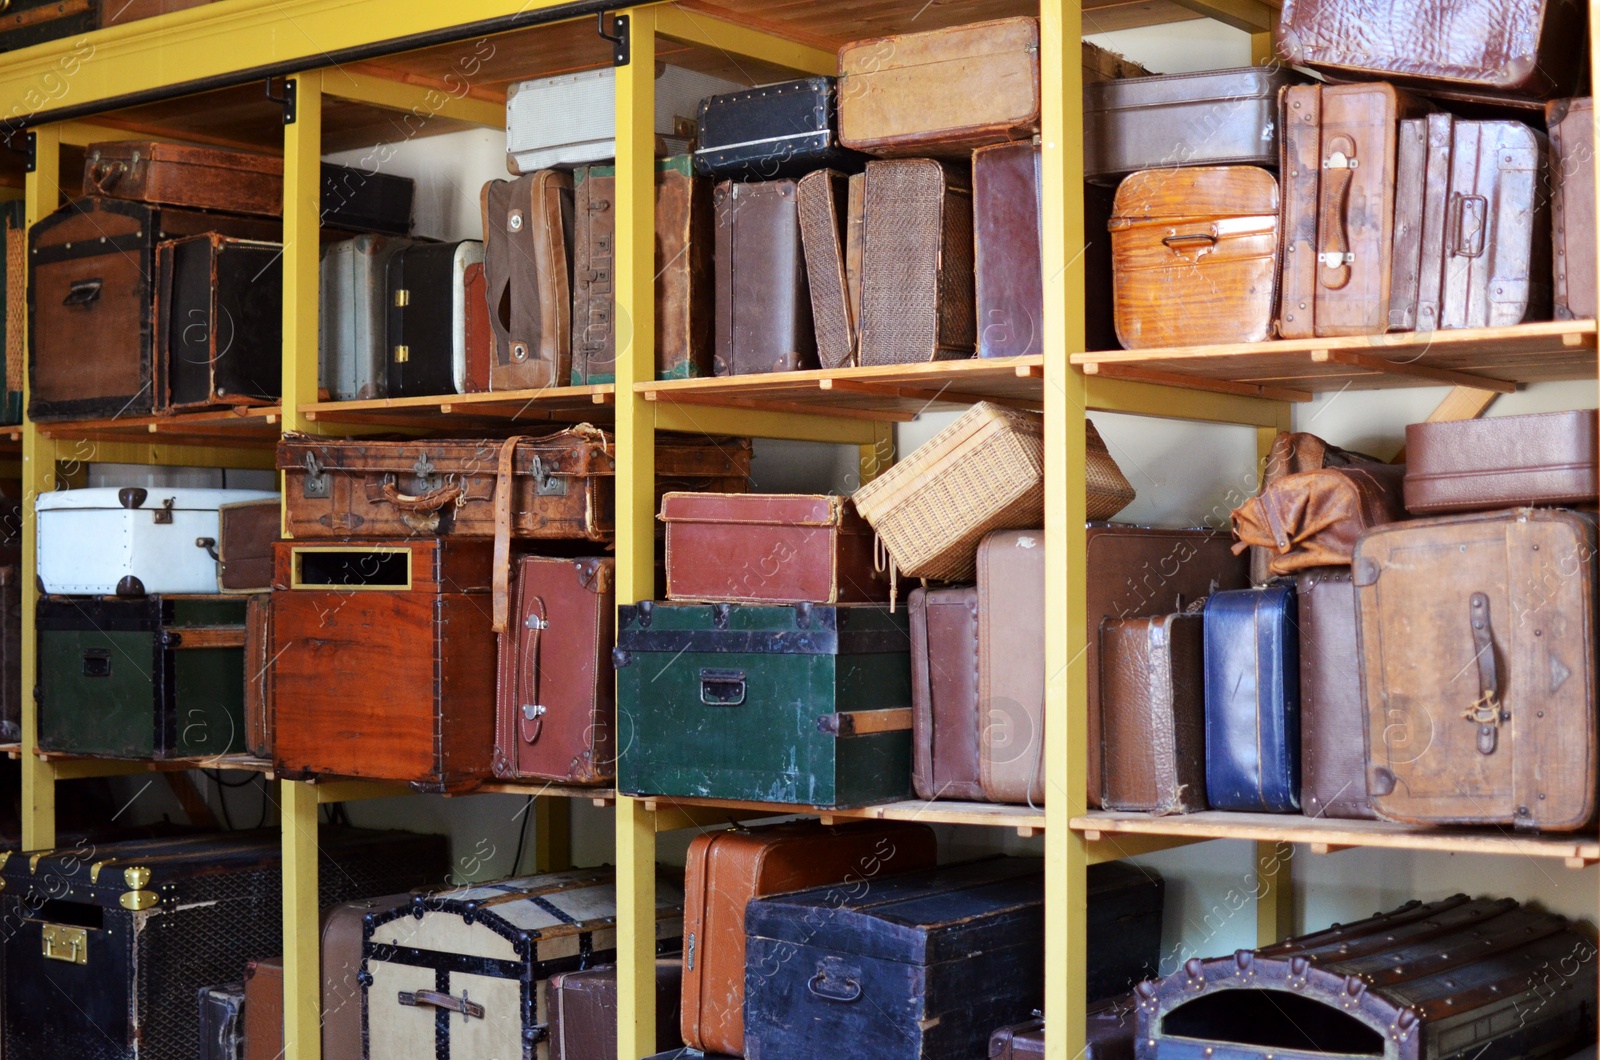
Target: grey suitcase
[352,362]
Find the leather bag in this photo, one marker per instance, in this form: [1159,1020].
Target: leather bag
[946,720]
[1502,462]
[1333,762]
[763,317]
[1571,125]
[1153,714]
[1291,454]
[1313,518]
[1252,690]
[527,262]
[1108,1035]
[246,532]
[427,329]
[342,928]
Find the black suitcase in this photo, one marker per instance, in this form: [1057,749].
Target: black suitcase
[783,130]
[219,322]
[10,654]
[222,1022]
[363,201]
[427,333]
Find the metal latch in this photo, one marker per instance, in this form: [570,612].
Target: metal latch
[402,354]
[163,514]
[402,297]
[62,942]
[316,483]
[535,622]
[1340,160]
[1333,258]
[532,711]
[545,483]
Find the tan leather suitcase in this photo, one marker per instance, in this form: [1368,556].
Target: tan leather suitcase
[727,869]
[199,178]
[342,930]
[1333,760]
[263,1009]
[1153,714]
[1571,125]
[527,229]
[1011,666]
[946,721]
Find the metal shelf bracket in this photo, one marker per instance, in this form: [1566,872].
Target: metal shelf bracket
[621,40]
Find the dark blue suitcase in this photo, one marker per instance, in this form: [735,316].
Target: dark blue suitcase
[1252,661]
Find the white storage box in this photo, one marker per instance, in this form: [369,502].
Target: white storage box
[572,119]
[131,541]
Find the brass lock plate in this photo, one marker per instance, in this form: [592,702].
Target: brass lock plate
[63,942]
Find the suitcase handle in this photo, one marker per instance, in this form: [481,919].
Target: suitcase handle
[105,175]
[846,990]
[1191,239]
[431,501]
[462,1004]
[83,292]
[722,688]
[530,713]
[1468,210]
[1485,712]
[1334,256]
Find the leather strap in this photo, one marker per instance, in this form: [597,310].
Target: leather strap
[1333,216]
[1485,711]
[530,712]
[502,532]
[106,175]
[436,999]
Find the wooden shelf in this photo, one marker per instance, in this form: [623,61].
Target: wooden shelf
[572,404]
[1577,849]
[1026,820]
[599,796]
[890,392]
[1293,370]
[11,750]
[89,766]
[242,425]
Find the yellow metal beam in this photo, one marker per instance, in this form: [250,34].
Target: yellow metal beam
[358,790]
[424,102]
[1105,394]
[695,27]
[302,973]
[302,228]
[705,419]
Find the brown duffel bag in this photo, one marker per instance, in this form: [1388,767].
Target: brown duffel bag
[1313,518]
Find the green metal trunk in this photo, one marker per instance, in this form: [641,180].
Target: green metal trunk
[759,703]
[155,677]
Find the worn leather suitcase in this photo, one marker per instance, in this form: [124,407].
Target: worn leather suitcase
[1497,994]
[222,1022]
[1153,714]
[684,305]
[1210,118]
[1252,691]
[1204,239]
[246,532]
[942,92]
[258,675]
[782,130]
[1108,1035]
[822,199]
[1138,572]
[1411,178]
[352,326]
[917,287]
[528,228]
[383,661]
[1477,652]
[263,1009]
[1424,224]
[1313,518]
[583,1011]
[1291,454]
[768,548]
[1333,762]
[1502,462]
[427,327]
[763,315]
[343,928]
[219,323]
[555,698]
[946,721]
[1011,666]
[1008,234]
[1521,52]
[10,654]
[727,869]
[1571,125]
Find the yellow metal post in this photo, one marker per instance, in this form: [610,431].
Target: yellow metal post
[636,362]
[302,229]
[302,973]
[878,455]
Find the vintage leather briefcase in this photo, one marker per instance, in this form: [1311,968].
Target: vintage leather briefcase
[1313,518]
[1333,761]
[822,199]
[782,130]
[583,1011]
[1008,266]
[1153,714]
[1501,462]
[222,1022]
[527,262]
[427,329]
[555,703]
[219,323]
[1571,125]
[1252,686]
[263,1009]
[352,326]
[763,316]
[727,869]
[1289,455]
[1011,666]
[946,721]
[1477,653]
[1195,256]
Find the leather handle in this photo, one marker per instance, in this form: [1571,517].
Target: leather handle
[1334,257]
[502,533]
[530,712]
[83,293]
[1485,711]
[105,175]
[1467,224]
[431,501]
[435,999]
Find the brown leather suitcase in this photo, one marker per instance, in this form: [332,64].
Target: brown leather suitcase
[1571,125]
[527,263]
[1291,454]
[779,548]
[1153,714]
[583,1011]
[342,930]
[258,675]
[1139,571]
[945,717]
[763,318]
[246,532]
[823,199]
[555,702]
[942,92]
[1195,256]
[1313,518]
[917,288]
[383,661]
[1011,666]
[726,869]
[1008,234]
[1478,674]
[1333,761]
[263,1009]
[1502,462]
[199,178]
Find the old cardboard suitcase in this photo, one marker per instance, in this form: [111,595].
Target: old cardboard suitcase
[1544,459]
[156,677]
[1477,653]
[426,332]
[10,654]
[343,932]
[1571,125]
[1011,666]
[527,263]
[1204,239]
[1496,268]
[776,548]
[1411,176]
[555,699]
[1108,1035]
[1333,760]
[1524,52]
[942,92]
[383,661]
[583,1011]
[807,704]
[763,304]
[354,318]
[1153,716]
[728,869]
[263,1009]
[1008,262]
[92,302]
[946,722]
[114,940]
[219,323]
[1252,690]
[14,302]
[782,130]
[823,199]
[246,532]
[258,675]
[1448,978]
[464,971]
[222,1022]
[917,287]
[684,296]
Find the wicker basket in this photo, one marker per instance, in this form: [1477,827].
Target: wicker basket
[984,472]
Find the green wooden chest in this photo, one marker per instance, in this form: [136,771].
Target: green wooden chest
[804,704]
[153,677]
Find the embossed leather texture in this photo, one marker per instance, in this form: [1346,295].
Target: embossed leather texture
[945,716]
[1011,666]
[1333,759]
[1253,700]
[1313,518]
[1501,462]
[1153,707]
[1571,125]
[763,317]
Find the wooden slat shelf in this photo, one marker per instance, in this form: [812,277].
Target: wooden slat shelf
[1323,835]
[890,392]
[472,411]
[242,425]
[11,750]
[599,796]
[1293,370]
[1024,819]
[243,762]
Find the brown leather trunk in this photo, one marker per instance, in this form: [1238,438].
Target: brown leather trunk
[779,548]
[823,201]
[1571,124]
[1204,238]
[1011,666]
[555,697]
[1008,243]
[1333,761]
[946,722]
[1153,714]
[263,1009]
[342,931]
[1291,454]
[583,1011]
[527,263]
[727,869]
[199,178]
[917,288]
[479,333]
[763,320]
[246,532]
[383,661]
[1139,571]
[1502,462]
[258,675]
[1313,518]
[1477,653]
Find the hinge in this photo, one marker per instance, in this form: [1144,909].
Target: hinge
[620,38]
[288,100]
